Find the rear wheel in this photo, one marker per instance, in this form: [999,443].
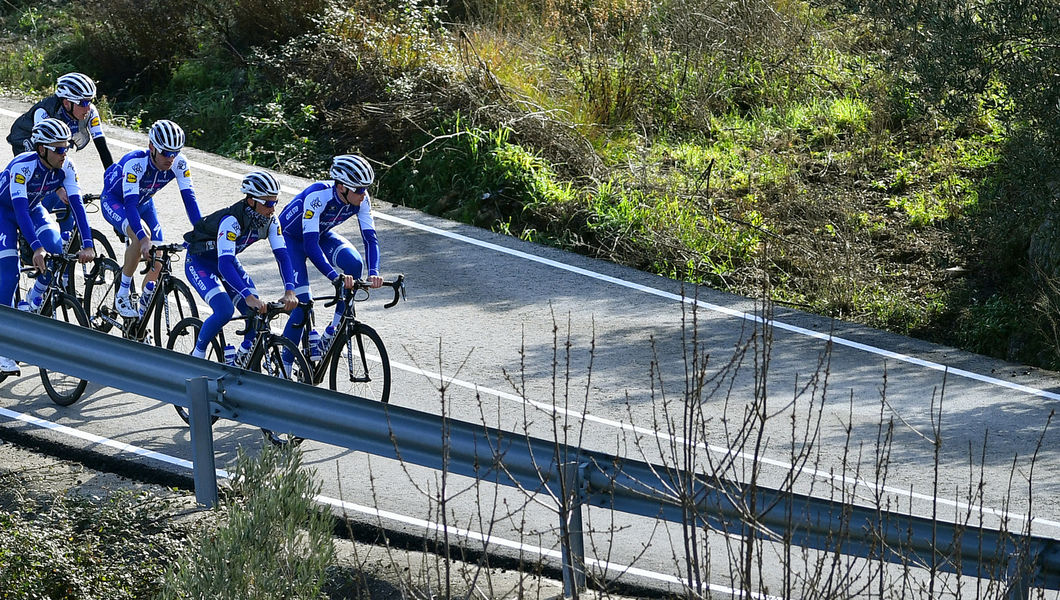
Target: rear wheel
[177,303]
[100,288]
[182,339]
[272,363]
[64,389]
[361,367]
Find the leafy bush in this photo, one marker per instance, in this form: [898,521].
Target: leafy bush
[274,543]
[76,547]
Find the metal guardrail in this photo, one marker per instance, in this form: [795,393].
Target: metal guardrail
[573,475]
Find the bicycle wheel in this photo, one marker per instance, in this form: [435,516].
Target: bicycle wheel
[100,289]
[271,362]
[103,245]
[177,302]
[182,339]
[361,367]
[64,389]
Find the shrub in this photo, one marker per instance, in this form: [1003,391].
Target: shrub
[274,544]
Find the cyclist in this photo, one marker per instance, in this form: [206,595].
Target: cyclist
[307,222]
[129,187]
[215,272]
[27,179]
[72,104]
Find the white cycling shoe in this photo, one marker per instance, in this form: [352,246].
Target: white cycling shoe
[127,306]
[9,367]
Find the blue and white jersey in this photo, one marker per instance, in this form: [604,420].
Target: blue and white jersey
[231,240]
[83,130]
[26,181]
[135,180]
[315,211]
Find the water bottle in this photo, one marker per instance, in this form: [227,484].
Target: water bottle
[315,352]
[230,354]
[145,297]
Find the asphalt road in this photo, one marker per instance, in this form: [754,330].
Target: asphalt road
[516,329]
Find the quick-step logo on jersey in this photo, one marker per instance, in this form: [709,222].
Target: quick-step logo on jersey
[308,214]
[95,121]
[231,235]
[20,179]
[131,178]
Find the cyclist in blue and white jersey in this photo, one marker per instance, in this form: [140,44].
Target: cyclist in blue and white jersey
[215,272]
[307,223]
[72,104]
[27,179]
[129,187]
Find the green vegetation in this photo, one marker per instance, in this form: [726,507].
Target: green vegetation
[274,542]
[77,547]
[267,540]
[813,150]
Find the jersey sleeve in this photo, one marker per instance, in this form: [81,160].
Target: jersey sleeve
[95,124]
[228,266]
[73,196]
[369,237]
[182,172]
[279,251]
[131,172]
[39,115]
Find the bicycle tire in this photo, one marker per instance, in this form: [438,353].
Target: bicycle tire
[64,389]
[365,373]
[177,303]
[100,290]
[270,361]
[182,339]
[99,239]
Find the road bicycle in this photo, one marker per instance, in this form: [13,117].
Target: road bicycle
[270,353]
[171,301]
[59,304]
[355,359]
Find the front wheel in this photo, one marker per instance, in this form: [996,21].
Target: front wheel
[361,367]
[176,303]
[281,358]
[182,339]
[63,389]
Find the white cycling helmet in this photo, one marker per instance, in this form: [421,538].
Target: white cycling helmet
[75,87]
[259,184]
[352,171]
[166,136]
[50,132]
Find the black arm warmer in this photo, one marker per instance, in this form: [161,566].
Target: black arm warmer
[104,151]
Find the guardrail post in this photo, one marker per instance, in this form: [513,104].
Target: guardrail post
[1022,567]
[572,543]
[200,391]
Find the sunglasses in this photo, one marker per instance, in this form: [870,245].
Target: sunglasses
[58,149]
[84,103]
[169,153]
[359,191]
[267,203]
